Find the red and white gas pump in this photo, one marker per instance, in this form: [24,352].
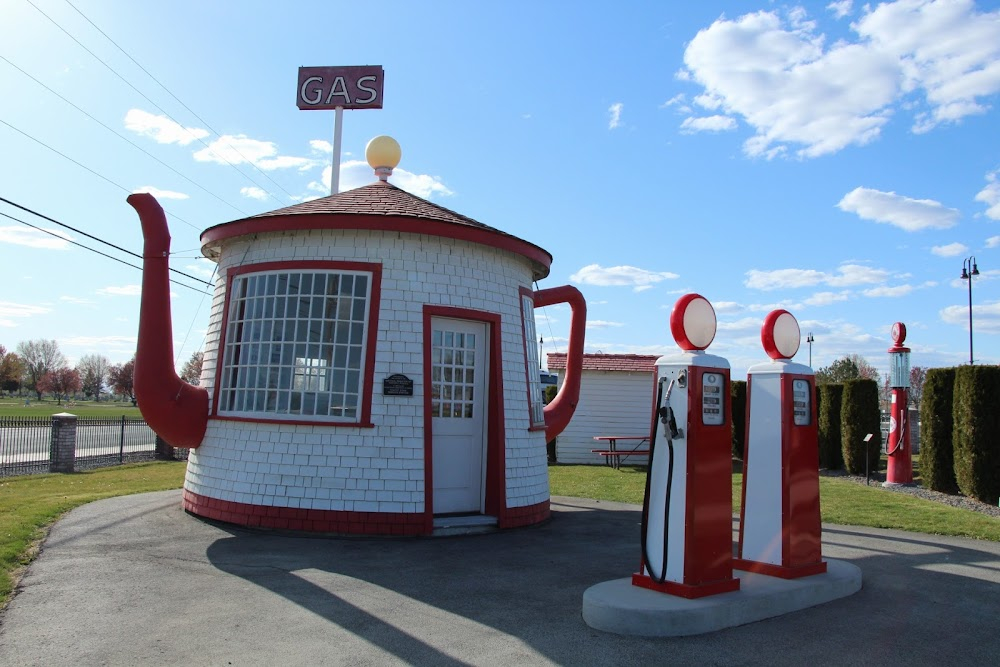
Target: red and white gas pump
[900,468]
[780,533]
[687,509]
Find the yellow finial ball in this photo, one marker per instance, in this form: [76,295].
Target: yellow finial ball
[383,151]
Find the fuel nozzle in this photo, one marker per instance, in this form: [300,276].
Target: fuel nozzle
[667,419]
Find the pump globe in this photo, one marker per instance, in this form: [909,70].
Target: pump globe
[383,151]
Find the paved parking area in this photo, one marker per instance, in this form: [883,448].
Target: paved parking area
[135,580]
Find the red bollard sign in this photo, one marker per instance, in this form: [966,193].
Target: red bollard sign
[348,87]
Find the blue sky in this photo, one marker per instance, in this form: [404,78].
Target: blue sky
[839,160]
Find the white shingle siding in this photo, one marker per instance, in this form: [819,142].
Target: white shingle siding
[611,403]
[382,468]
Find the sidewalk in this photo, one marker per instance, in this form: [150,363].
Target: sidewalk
[135,580]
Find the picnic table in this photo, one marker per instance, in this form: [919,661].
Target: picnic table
[613,456]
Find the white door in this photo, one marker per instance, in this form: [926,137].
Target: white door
[458,420]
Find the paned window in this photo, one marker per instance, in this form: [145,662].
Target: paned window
[295,345]
[453,374]
[535,402]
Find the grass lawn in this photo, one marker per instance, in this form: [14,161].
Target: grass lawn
[841,501]
[15,407]
[29,505]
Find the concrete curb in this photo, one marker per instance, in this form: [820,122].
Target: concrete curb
[619,607]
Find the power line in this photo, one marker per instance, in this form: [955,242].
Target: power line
[145,97]
[89,236]
[121,261]
[179,101]
[83,166]
[123,137]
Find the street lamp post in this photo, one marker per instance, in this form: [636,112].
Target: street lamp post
[810,339]
[970,269]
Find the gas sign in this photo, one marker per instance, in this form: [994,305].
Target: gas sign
[350,87]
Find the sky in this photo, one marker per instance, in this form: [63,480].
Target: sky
[838,160]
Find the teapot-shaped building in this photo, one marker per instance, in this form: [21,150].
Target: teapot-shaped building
[370,366]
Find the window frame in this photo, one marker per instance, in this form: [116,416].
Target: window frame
[532,362]
[370,336]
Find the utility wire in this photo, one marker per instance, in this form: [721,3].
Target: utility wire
[145,97]
[89,236]
[83,166]
[179,101]
[122,261]
[123,137]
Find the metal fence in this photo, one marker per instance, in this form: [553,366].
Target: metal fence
[100,441]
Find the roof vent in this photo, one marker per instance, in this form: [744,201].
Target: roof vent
[383,154]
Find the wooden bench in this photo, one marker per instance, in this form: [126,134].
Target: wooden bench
[612,455]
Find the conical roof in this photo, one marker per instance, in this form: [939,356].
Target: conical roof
[378,206]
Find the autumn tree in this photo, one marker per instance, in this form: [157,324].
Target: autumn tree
[120,379]
[11,370]
[191,373]
[39,357]
[850,367]
[93,370]
[917,376]
[60,382]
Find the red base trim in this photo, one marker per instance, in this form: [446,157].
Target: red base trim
[688,591]
[780,571]
[515,517]
[308,520]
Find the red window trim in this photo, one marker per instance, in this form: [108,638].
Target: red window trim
[368,377]
[527,292]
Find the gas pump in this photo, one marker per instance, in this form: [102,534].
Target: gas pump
[900,467]
[780,533]
[687,508]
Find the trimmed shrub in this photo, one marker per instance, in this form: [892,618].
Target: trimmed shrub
[859,416]
[738,393]
[829,404]
[975,431]
[937,458]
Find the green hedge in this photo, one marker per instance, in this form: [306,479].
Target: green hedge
[976,430]
[738,393]
[859,415]
[829,404]
[937,458]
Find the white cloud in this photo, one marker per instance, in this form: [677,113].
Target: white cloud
[990,195]
[899,290]
[620,276]
[240,149]
[846,275]
[161,194]
[986,317]
[888,207]
[680,101]
[615,112]
[602,324]
[422,185]
[798,88]
[125,290]
[77,300]
[357,173]
[727,307]
[826,298]
[253,192]
[203,268]
[950,250]
[993,242]
[321,146]
[10,310]
[33,238]
[708,124]
[745,325]
[840,9]
[161,129]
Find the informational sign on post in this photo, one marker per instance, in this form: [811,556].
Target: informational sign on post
[339,88]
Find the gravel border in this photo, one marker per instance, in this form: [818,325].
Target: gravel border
[960,501]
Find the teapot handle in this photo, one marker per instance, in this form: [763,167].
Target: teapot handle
[560,410]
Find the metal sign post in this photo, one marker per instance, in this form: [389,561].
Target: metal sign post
[339,88]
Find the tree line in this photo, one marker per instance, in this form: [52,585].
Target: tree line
[38,366]
[856,367]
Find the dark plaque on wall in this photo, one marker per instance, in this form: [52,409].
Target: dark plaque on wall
[397,385]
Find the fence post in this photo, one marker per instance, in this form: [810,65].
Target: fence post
[62,447]
[163,450]
[121,443]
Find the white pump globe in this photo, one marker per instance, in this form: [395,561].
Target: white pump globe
[383,151]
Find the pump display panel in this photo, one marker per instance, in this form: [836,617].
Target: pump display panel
[712,385]
[801,398]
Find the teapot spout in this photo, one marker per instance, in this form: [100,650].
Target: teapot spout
[175,410]
[560,410]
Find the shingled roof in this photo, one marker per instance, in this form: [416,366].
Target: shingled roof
[636,363]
